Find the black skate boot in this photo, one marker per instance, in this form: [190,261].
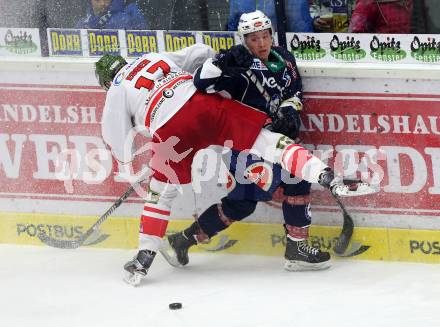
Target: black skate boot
[136,269]
[300,256]
[176,249]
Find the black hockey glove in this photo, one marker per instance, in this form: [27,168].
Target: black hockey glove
[286,121]
[235,60]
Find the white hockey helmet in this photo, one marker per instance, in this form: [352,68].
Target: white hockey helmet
[253,22]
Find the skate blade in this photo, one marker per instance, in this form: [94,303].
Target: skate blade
[292,265]
[169,255]
[133,279]
[354,189]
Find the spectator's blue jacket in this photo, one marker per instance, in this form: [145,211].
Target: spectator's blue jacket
[297,13]
[118,16]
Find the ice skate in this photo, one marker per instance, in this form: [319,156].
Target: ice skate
[300,257]
[175,249]
[136,269]
[176,246]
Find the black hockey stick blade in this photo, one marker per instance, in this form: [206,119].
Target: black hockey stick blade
[73,244]
[344,237]
[61,244]
[64,244]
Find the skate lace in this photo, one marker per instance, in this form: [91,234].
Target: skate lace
[305,247]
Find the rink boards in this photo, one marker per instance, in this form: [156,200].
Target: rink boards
[387,244]
[57,175]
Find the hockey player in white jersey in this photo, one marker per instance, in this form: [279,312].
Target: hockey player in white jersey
[155,92]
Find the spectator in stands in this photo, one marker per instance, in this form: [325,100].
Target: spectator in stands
[297,13]
[113,14]
[382,16]
[330,16]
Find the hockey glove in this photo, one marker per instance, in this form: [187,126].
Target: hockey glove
[286,119]
[235,60]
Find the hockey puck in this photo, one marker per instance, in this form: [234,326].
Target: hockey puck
[175,306]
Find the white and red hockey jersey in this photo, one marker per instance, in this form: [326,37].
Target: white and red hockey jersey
[148,92]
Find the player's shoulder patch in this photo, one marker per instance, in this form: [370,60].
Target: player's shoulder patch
[119,78]
[258,65]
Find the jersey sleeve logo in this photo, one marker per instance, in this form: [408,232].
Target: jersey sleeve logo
[119,78]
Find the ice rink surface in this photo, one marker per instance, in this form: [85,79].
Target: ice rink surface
[42,286]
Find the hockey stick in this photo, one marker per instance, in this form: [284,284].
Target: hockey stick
[344,237]
[66,244]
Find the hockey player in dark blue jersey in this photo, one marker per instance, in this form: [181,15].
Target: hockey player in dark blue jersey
[265,77]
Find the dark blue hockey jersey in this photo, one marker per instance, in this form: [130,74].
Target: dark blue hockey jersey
[278,80]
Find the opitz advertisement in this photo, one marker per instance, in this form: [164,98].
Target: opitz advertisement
[20,42]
